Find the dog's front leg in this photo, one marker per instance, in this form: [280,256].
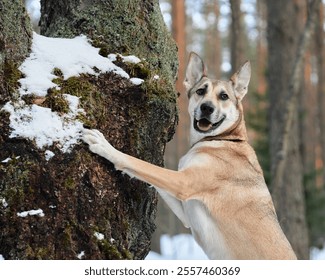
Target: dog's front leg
[99,145]
[180,184]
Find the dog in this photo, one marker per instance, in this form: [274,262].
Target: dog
[219,191]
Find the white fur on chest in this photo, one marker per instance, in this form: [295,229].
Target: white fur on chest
[204,228]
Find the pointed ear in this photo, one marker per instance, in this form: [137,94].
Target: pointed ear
[240,80]
[195,71]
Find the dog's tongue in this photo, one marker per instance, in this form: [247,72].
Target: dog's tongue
[204,125]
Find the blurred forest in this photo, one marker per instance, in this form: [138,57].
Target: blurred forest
[285,106]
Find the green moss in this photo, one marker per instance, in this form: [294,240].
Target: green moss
[42,253]
[39,253]
[69,183]
[56,101]
[58,72]
[15,180]
[67,236]
[29,98]
[11,76]
[140,70]
[110,251]
[127,254]
[77,86]
[103,47]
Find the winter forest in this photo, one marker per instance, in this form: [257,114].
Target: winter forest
[118,66]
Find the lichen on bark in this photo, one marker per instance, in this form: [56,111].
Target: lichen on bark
[15,42]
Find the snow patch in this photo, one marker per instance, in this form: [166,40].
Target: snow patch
[128,59]
[9,159]
[178,247]
[38,212]
[72,57]
[1,258]
[80,255]
[99,235]
[44,126]
[4,202]
[49,154]
[136,81]
[6,160]
[317,254]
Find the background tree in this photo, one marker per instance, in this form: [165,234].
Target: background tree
[285,70]
[88,194]
[237,35]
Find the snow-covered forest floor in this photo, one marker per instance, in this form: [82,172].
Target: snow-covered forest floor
[184,247]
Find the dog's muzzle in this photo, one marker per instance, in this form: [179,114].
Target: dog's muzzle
[204,124]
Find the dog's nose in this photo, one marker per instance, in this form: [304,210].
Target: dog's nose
[207,109]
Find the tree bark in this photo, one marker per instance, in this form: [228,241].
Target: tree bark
[212,46]
[81,193]
[285,68]
[167,222]
[320,52]
[15,41]
[236,37]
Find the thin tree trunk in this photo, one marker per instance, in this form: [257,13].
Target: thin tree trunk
[320,52]
[80,193]
[236,37]
[212,44]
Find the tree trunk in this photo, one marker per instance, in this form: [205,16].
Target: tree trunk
[212,46]
[81,194]
[167,222]
[236,37]
[320,52]
[286,48]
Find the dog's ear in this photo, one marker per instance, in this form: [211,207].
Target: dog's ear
[195,71]
[240,80]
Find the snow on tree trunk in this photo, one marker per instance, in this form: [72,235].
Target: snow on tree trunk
[58,203]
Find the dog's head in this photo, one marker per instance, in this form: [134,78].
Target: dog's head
[214,105]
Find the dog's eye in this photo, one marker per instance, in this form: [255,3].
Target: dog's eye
[202,91]
[223,96]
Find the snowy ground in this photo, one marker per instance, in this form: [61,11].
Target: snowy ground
[184,247]
[178,247]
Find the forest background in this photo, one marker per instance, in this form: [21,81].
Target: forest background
[226,34]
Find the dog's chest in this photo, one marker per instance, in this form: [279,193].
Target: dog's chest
[203,226]
[205,230]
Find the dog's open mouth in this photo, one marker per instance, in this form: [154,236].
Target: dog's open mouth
[204,125]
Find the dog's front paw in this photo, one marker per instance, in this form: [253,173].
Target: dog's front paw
[98,144]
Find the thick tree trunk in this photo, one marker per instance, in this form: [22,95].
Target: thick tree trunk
[80,193]
[286,48]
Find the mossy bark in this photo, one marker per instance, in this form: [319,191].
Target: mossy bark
[81,193]
[15,41]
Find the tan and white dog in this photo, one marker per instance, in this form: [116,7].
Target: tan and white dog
[219,190]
